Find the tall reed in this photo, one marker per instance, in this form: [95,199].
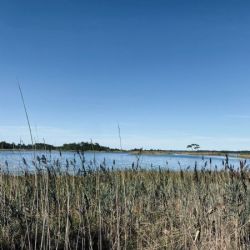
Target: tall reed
[108,208]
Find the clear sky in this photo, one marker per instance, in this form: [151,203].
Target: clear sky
[169,72]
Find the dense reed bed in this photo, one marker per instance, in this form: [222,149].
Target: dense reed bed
[106,208]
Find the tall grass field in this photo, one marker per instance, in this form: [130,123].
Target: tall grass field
[133,208]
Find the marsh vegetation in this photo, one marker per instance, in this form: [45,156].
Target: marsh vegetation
[133,208]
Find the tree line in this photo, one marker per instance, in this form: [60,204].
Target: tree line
[81,146]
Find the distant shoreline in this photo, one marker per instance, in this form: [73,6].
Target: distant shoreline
[236,154]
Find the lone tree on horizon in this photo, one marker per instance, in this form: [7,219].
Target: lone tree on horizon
[193,146]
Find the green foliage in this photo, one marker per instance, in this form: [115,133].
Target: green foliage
[82,146]
[38,146]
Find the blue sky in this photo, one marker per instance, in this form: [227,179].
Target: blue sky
[169,72]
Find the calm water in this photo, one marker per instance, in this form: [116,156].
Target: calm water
[13,160]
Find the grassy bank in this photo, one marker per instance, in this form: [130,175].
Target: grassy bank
[239,154]
[129,209]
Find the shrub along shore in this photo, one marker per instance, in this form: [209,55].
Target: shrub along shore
[104,208]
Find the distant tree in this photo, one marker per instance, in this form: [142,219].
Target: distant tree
[193,146]
[84,146]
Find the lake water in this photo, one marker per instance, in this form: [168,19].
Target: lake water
[13,160]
